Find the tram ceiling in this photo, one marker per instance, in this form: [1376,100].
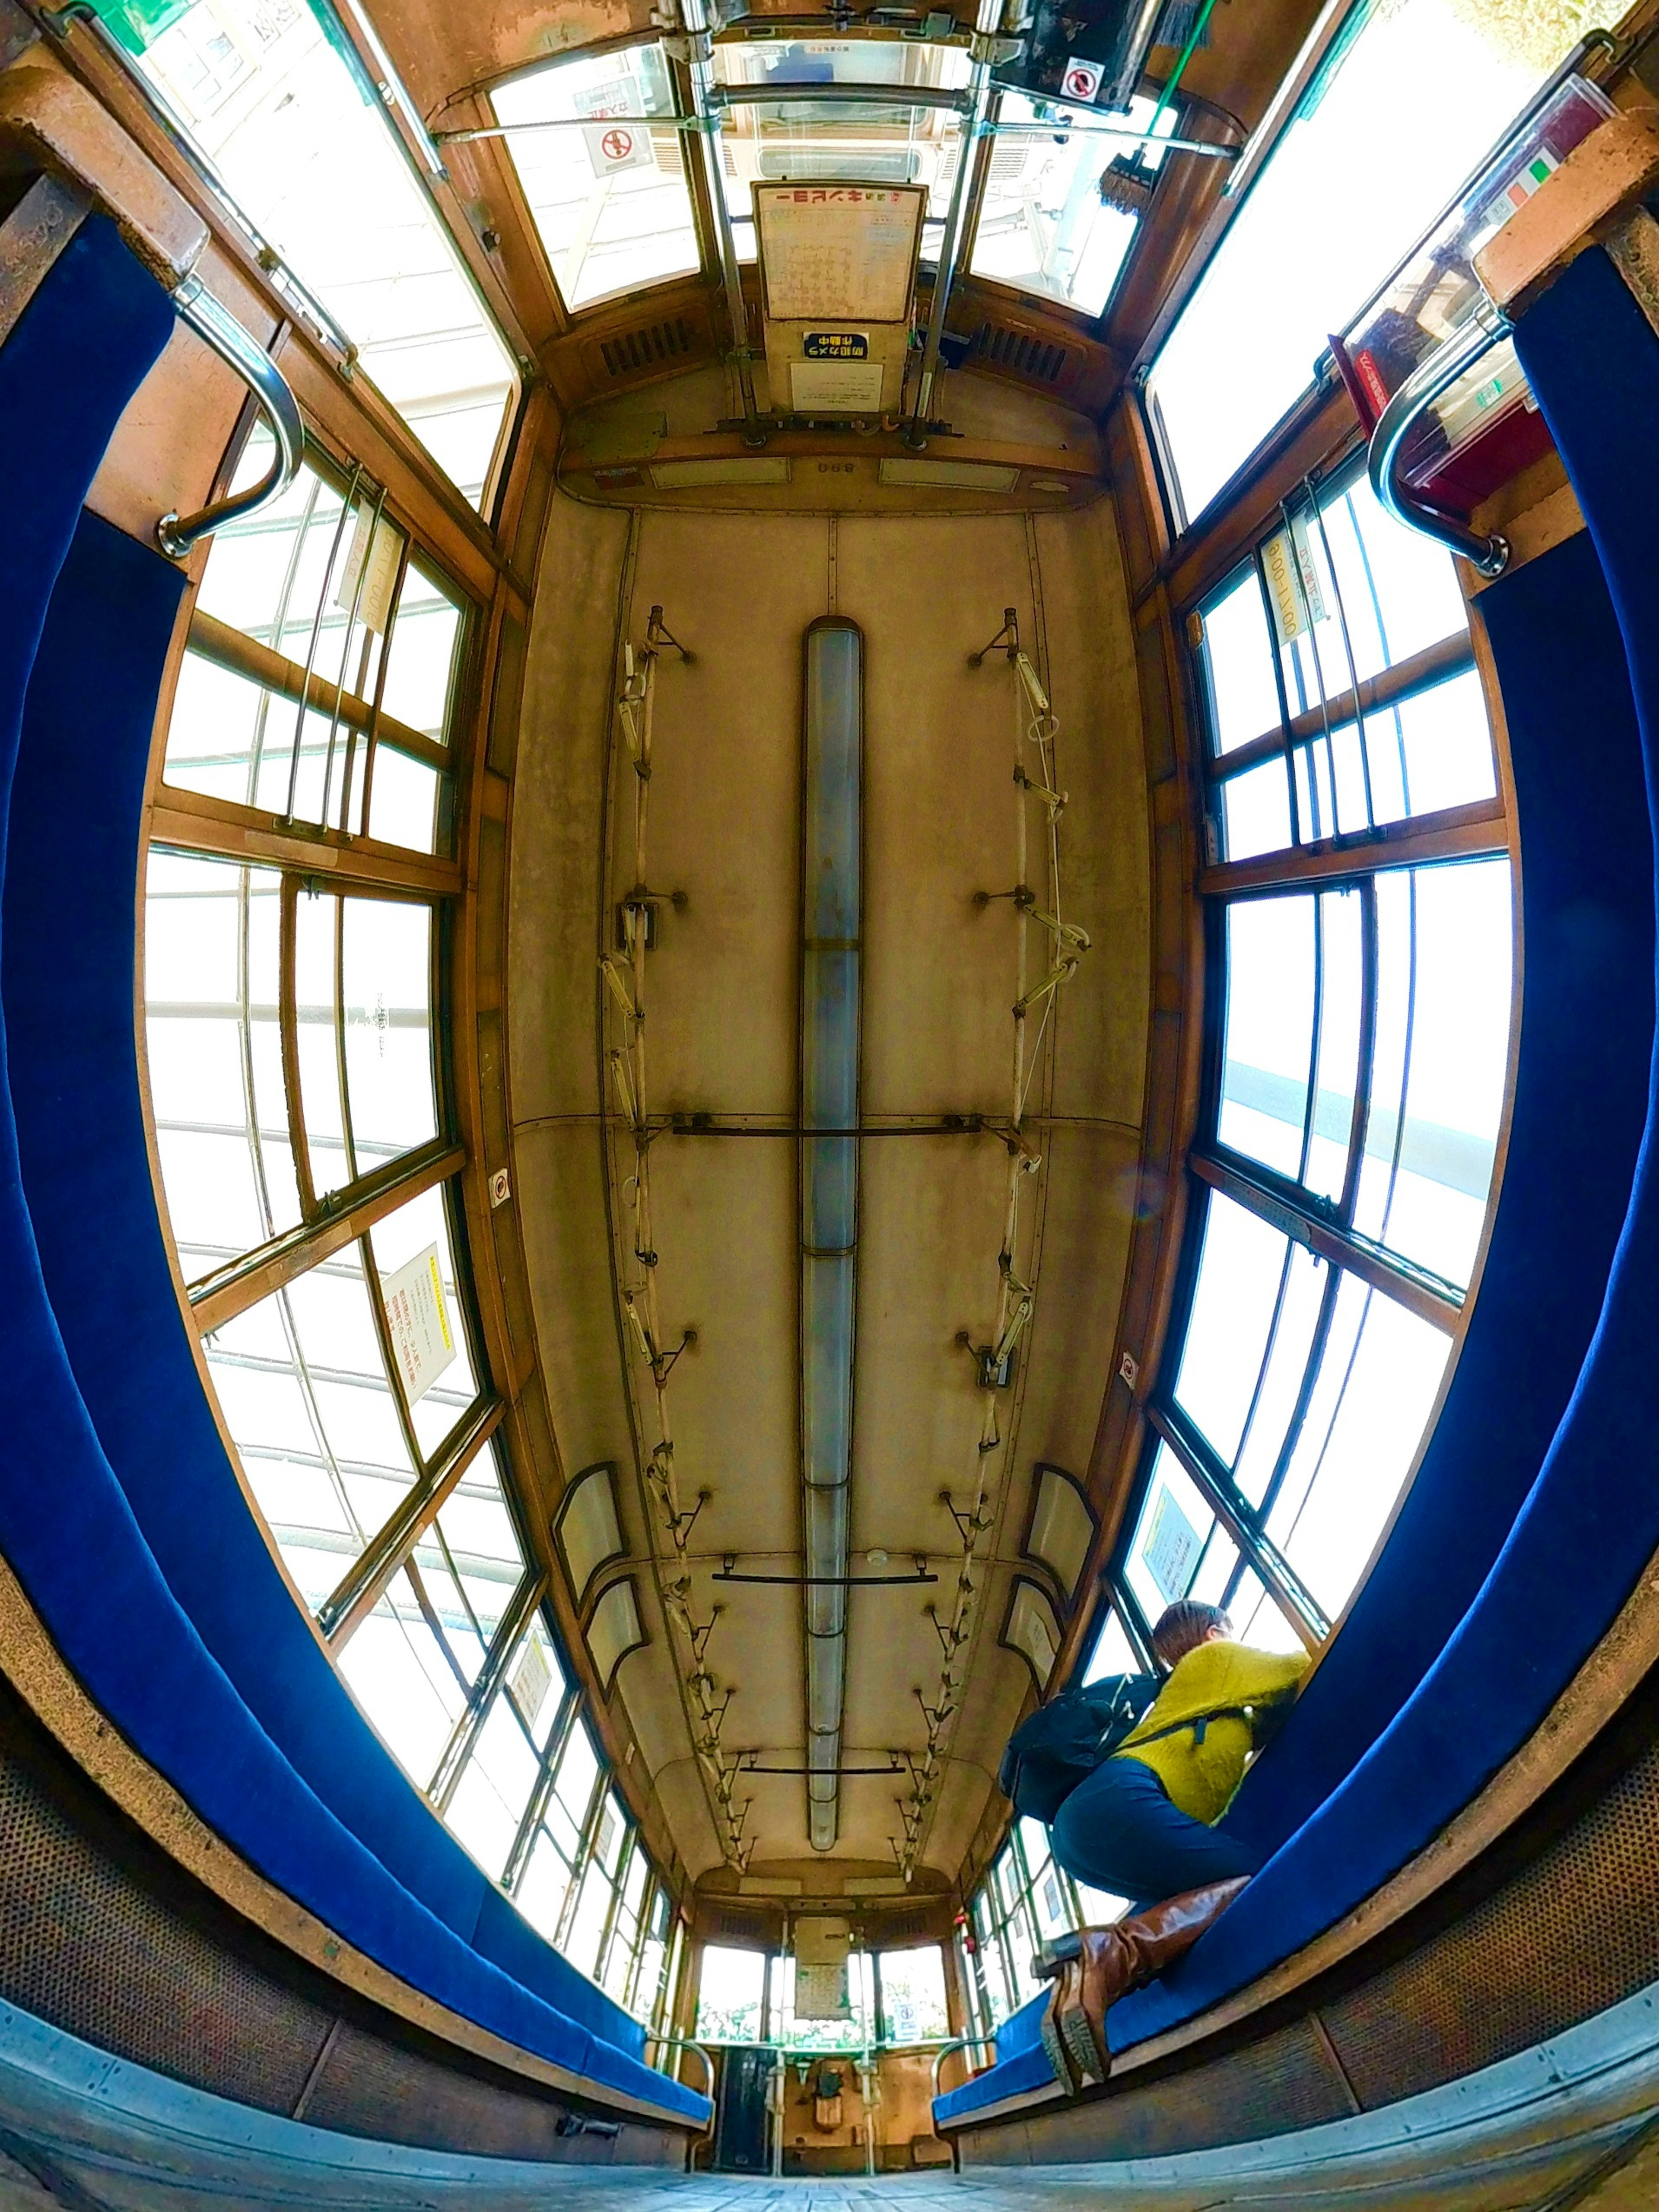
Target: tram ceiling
[722,1689]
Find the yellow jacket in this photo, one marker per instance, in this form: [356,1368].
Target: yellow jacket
[1201,1776]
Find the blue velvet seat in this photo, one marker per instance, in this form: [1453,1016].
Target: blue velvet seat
[118,1511]
[1536,1508]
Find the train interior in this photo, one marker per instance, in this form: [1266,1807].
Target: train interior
[828,854]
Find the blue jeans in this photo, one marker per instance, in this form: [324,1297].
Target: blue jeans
[1119,1832]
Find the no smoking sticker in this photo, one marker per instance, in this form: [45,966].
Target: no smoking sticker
[614,146]
[1082,80]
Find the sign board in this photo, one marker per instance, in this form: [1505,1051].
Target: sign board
[832,253]
[821,1993]
[835,346]
[531,1680]
[372,557]
[1293,587]
[846,387]
[1082,80]
[1171,1550]
[615,146]
[418,1320]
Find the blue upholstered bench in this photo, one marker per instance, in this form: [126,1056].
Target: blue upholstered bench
[120,1512]
[1536,1508]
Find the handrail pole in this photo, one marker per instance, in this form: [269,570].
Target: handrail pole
[687,2043]
[220,330]
[1487,328]
[957,2042]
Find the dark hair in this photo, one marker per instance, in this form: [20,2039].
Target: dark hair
[1183,1626]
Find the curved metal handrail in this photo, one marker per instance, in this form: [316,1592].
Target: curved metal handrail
[220,329]
[958,2042]
[1486,329]
[687,2043]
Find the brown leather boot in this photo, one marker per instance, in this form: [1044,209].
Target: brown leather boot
[1066,1975]
[1113,1960]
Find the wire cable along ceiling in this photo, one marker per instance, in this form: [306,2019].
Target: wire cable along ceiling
[830,990]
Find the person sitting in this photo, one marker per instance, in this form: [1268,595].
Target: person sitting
[1142,1825]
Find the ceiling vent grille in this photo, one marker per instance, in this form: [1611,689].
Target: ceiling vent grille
[1019,353]
[638,352]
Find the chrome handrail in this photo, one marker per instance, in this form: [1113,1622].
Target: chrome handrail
[1487,328]
[220,329]
[958,2042]
[686,2043]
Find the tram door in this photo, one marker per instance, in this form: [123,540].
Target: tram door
[740,2112]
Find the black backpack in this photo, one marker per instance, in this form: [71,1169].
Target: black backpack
[1063,1741]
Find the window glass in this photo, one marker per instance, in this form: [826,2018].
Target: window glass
[402,803]
[1043,226]
[809,140]
[420,670]
[215,1056]
[294,578]
[1288,960]
[729,1986]
[386,962]
[571,1798]
[913,1995]
[1113,1654]
[610,202]
[1238,662]
[493,1790]
[1257,1621]
[1300,1301]
[1241,1278]
[1370,1403]
[363,989]
[1397,590]
[1354,595]
[1178,1550]
[1444,954]
[544,1895]
[1255,812]
[544,1890]
[303,144]
[303,1389]
[1432,751]
[650,1980]
[1272,972]
[586,1927]
[405,1675]
[1412,97]
[317,984]
[536,1684]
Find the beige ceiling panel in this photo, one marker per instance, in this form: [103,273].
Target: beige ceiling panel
[724,821]
[557,800]
[684,1800]
[1085,1254]
[724,1229]
[957,1809]
[1105,864]
[930,1223]
[939,806]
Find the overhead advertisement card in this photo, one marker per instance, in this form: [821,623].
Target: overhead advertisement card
[418,1319]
